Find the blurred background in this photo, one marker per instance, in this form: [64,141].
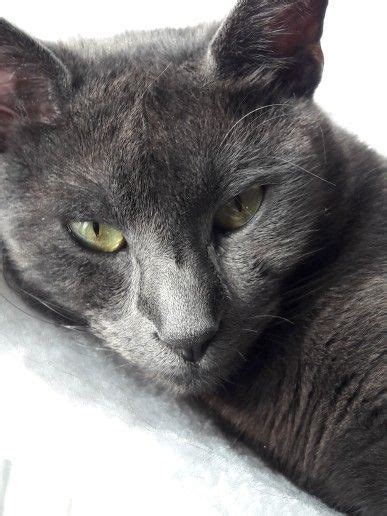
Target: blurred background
[354,86]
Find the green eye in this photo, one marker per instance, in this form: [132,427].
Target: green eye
[99,237]
[239,210]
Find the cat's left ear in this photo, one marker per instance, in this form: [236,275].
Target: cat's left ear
[33,82]
[271,43]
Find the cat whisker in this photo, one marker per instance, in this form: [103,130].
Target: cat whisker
[242,356]
[154,81]
[305,170]
[91,346]
[323,142]
[284,115]
[273,317]
[308,254]
[49,306]
[308,293]
[245,116]
[250,330]
[122,366]
[75,328]
[312,279]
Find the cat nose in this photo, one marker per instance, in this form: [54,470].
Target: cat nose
[190,347]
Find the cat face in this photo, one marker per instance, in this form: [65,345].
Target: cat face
[155,150]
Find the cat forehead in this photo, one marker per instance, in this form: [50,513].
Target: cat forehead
[153,120]
[154,100]
[161,93]
[134,149]
[170,133]
[159,130]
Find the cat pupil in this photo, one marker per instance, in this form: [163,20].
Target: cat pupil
[238,203]
[96,228]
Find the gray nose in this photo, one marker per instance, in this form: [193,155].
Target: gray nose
[191,347]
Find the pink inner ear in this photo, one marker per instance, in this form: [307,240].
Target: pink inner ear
[25,96]
[299,28]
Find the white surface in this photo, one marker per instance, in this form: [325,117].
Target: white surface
[354,85]
[85,438]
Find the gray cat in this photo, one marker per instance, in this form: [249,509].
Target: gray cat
[179,194]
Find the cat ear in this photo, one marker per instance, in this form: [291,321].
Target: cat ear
[273,43]
[33,82]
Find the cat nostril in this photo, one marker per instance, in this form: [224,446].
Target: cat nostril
[191,348]
[193,354]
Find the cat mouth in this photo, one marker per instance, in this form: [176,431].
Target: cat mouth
[191,379]
[195,378]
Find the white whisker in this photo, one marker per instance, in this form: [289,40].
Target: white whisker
[305,170]
[245,116]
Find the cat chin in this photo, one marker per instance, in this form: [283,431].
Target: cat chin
[190,380]
[189,386]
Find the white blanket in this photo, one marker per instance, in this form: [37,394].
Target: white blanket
[80,436]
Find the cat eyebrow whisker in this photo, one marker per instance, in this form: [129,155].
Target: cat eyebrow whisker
[304,170]
[245,116]
[284,115]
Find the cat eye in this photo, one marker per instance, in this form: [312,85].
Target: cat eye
[240,209]
[96,236]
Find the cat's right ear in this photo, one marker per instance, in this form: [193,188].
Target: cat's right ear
[270,44]
[33,82]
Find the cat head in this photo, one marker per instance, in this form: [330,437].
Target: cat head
[164,187]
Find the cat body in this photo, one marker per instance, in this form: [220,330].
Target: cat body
[276,325]
[312,398]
